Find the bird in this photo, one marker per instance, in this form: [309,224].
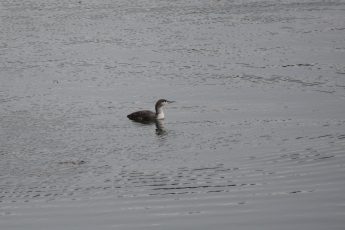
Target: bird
[147,116]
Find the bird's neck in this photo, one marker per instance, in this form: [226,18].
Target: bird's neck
[159,113]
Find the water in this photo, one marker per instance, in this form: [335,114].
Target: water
[255,139]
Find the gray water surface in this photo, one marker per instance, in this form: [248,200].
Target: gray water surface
[255,140]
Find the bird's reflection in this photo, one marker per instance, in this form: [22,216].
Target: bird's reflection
[160,130]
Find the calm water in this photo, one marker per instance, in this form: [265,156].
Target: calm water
[255,140]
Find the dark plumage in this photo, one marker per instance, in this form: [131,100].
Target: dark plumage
[146,116]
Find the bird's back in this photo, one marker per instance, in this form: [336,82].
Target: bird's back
[142,116]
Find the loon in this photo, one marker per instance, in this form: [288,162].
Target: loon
[147,116]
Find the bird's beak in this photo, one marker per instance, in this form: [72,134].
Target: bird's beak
[170,102]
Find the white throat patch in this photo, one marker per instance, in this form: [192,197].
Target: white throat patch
[160,114]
